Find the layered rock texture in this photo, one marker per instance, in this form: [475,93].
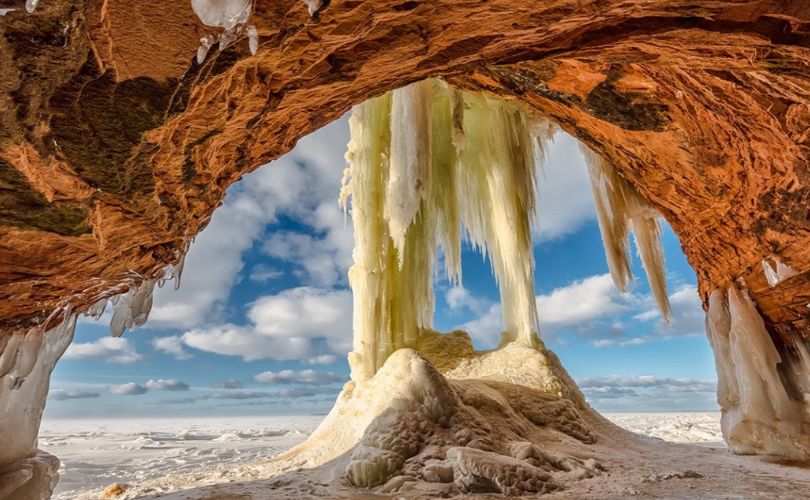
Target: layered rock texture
[116,144]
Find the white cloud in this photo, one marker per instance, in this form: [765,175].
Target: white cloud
[171,345]
[592,308]
[128,389]
[303,185]
[298,323]
[64,394]
[323,262]
[323,359]
[459,298]
[171,384]
[582,302]
[110,349]
[564,199]
[262,274]
[298,377]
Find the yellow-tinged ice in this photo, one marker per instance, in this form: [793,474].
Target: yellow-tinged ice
[425,163]
[619,209]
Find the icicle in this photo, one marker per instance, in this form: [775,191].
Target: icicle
[31,5]
[132,308]
[221,13]
[496,193]
[620,208]
[408,180]
[718,329]
[647,233]
[253,39]
[443,200]
[780,274]
[755,359]
[612,214]
[122,314]
[97,309]
[367,158]
[313,6]
[202,50]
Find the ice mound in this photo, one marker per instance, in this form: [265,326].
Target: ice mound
[410,429]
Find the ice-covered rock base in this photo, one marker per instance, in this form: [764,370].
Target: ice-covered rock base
[409,429]
[30,478]
[764,393]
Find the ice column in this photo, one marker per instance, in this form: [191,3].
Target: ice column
[619,209]
[26,361]
[427,163]
[759,415]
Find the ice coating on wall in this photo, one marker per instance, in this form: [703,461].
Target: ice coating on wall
[620,209]
[427,163]
[26,361]
[759,413]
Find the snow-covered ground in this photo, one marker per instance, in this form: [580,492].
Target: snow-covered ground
[96,453]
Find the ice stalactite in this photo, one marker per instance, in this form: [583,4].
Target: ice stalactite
[759,414]
[427,163]
[777,272]
[231,16]
[621,209]
[26,361]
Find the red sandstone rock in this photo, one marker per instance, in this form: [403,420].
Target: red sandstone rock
[115,146]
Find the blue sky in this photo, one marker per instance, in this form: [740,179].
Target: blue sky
[262,321]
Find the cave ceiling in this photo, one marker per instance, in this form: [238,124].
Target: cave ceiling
[116,146]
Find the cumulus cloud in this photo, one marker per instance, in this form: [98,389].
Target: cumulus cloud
[171,384]
[302,185]
[228,384]
[109,349]
[298,377]
[593,309]
[64,394]
[323,359]
[298,323]
[128,389]
[171,345]
[459,298]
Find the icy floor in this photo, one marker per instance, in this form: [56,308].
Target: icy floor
[96,453]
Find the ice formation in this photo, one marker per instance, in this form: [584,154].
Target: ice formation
[26,361]
[759,414]
[426,163]
[780,273]
[313,6]
[231,16]
[621,209]
[31,5]
[410,430]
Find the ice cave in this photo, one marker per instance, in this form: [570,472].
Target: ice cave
[123,126]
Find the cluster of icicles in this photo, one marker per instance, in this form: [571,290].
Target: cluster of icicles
[232,17]
[764,394]
[428,163]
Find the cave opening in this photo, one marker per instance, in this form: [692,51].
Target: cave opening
[578,305]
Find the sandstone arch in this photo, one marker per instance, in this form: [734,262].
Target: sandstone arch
[115,146]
